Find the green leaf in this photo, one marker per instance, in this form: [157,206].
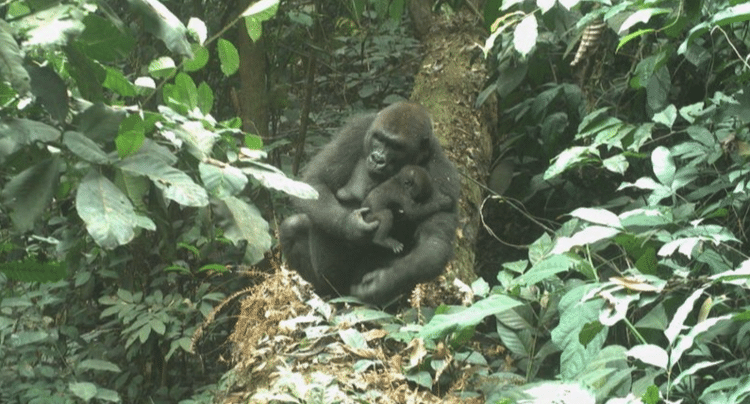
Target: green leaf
[26,131]
[162,67]
[131,135]
[222,182]
[617,164]
[271,177]
[242,221]
[85,148]
[29,193]
[175,184]
[667,116]
[228,56]
[11,61]
[678,320]
[642,16]
[32,271]
[199,140]
[627,38]
[587,236]
[205,98]
[117,82]
[598,216]
[569,158]
[731,15]
[198,30]
[101,40]
[199,60]
[664,167]
[159,21]
[589,332]
[98,364]
[158,326]
[525,34]
[83,390]
[442,324]
[574,315]
[187,90]
[353,338]
[651,354]
[50,89]
[106,211]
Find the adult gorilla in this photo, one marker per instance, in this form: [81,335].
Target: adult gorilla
[330,243]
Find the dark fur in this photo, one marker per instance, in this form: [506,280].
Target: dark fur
[328,242]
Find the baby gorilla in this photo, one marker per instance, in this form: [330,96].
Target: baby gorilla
[409,192]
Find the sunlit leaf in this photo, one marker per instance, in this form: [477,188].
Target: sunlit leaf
[524,36]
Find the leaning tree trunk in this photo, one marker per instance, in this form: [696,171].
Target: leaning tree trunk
[448,84]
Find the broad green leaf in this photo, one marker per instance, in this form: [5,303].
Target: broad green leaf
[197,28]
[686,341]
[175,184]
[617,164]
[598,216]
[627,38]
[117,82]
[568,159]
[199,60]
[55,30]
[443,324]
[569,4]
[525,34]
[738,13]
[161,67]
[30,270]
[667,116]
[164,25]
[131,135]
[353,338]
[50,90]
[103,41]
[11,61]
[229,57]
[574,315]
[98,364]
[29,193]
[546,268]
[694,369]
[107,213]
[85,148]
[643,16]
[205,98]
[83,390]
[678,320]
[187,90]
[26,131]
[271,177]
[545,5]
[222,182]
[199,140]
[243,221]
[589,235]
[664,167]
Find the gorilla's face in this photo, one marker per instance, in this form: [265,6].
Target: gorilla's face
[398,136]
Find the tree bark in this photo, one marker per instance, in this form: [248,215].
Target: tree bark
[451,76]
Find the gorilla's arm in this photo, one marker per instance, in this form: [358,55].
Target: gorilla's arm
[427,259]
[329,171]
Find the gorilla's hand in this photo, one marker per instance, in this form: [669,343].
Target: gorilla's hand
[356,228]
[371,288]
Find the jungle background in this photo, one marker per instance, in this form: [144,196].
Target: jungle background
[147,151]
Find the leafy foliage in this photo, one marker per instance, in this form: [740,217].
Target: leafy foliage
[661,111]
[118,180]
